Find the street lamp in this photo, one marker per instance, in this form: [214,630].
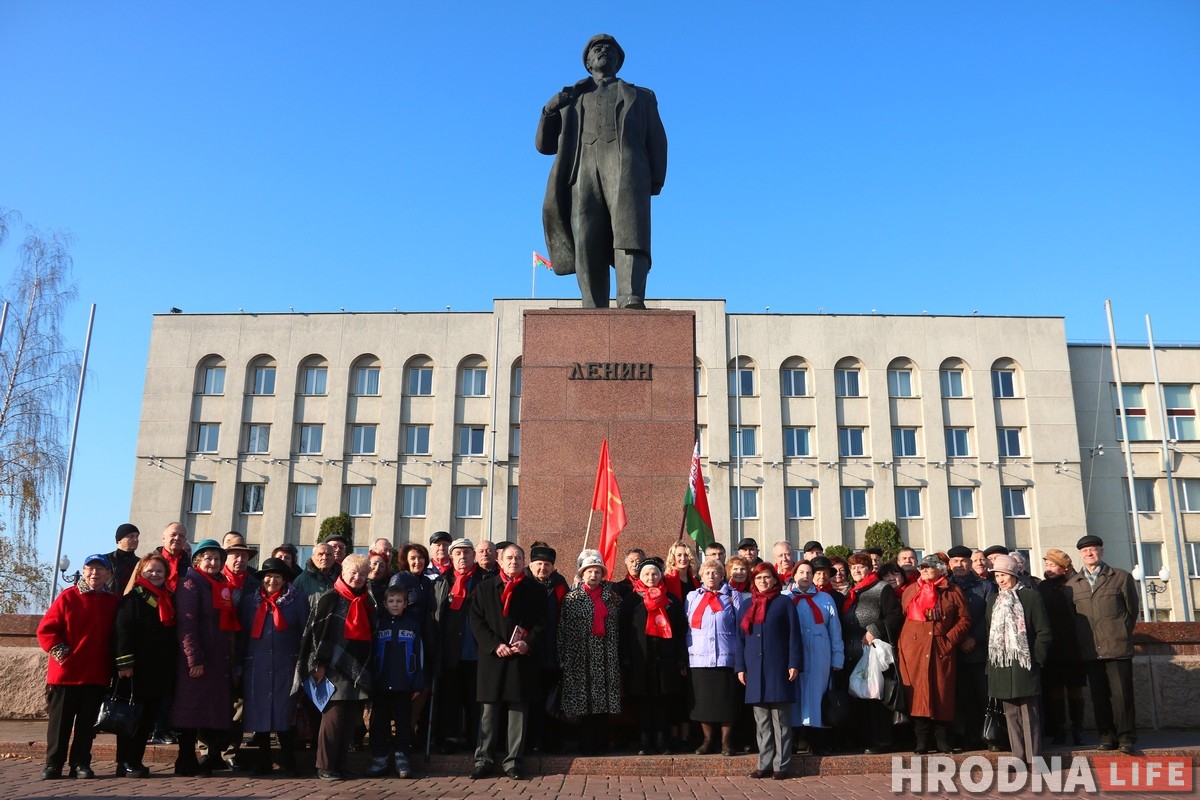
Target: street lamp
[1153,589]
[64,564]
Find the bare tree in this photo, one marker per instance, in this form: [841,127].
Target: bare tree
[38,377]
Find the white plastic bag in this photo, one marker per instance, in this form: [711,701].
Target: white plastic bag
[866,682]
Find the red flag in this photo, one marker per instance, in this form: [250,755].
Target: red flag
[538,258]
[607,498]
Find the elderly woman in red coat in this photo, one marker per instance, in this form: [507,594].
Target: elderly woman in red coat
[936,619]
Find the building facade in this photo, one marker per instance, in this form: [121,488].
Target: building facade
[961,429]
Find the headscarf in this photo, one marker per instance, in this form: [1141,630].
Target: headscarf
[269,601]
[924,606]
[866,583]
[1008,641]
[222,600]
[759,600]
[655,599]
[162,599]
[358,616]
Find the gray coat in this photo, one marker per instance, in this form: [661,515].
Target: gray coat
[1104,615]
[269,662]
[1014,681]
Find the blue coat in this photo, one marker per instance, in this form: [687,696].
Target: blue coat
[823,651]
[714,642]
[269,662]
[769,651]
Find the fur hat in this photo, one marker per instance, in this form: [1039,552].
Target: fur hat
[592,558]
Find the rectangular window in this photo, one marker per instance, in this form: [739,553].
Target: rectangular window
[1013,499]
[207,436]
[420,381]
[952,383]
[513,497]
[362,440]
[1134,398]
[748,443]
[258,438]
[795,382]
[1193,558]
[1189,494]
[900,383]
[741,382]
[699,381]
[366,381]
[1004,383]
[1181,413]
[306,500]
[514,442]
[310,439]
[469,502]
[475,382]
[413,501]
[214,380]
[1152,562]
[958,442]
[517,380]
[314,380]
[1010,442]
[799,502]
[908,503]
[416,440]
[359,501]
[470,440]
[1143,490]
[702,439]
[850,442]
[253,495]
[854,503]
[962,502]
[744,503]
[795,442]
[264,380]
[201,498]
[846,381]
[904,442]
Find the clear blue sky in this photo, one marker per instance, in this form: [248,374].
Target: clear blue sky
[1006,157]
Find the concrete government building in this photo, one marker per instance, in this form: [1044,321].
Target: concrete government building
[974,430]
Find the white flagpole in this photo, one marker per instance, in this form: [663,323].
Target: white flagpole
[533,279]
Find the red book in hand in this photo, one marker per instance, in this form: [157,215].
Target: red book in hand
[518,635]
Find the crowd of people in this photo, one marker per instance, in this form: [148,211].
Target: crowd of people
[491,650]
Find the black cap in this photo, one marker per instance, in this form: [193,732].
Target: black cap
[994,549]
[441,536]
[542,554]
[747,542]
[958,551]
[275,566]
[126,528]
[820,562]
[506,543]
[812,546]
[337,537]
[1091,540]
[651,561]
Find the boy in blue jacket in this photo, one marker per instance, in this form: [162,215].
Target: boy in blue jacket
[400,673]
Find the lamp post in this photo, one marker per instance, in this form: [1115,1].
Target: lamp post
[64,564]
[1153,589]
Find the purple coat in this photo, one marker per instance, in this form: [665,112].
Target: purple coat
[269,662]
[202,702]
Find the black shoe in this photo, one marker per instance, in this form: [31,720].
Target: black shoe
[1127,748]
[704,749]
[1107,746]
[82,771]
[1077,737]
[727,752]
[921,751]
[51,773]
[995,748]
[235,764]
[761,773]
[186,770]
[481,771]
[779,776]
[877,751]
[136,770]
[514,773]
[164,737]
[331,775]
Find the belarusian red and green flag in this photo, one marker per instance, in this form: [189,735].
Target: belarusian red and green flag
[697,522]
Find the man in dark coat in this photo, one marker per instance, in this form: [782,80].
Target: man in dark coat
[1106,609]
[125,557]
[318,574]
[971,688]
[455,648]
[611,157]
[508,618]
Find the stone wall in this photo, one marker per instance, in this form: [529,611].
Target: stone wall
[22,668]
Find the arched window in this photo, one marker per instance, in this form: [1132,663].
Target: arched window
[473,377]
[742,378]
[260,376]
[364,376]
[955,378]
[902,378]
[850,378]
[418,376]
[794,378]
[313,376]
[1006,379]
[210,375]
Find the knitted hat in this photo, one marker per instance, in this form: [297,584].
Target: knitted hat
[126,528]
[1008,564]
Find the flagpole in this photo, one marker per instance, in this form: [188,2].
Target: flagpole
[588,532]
[533,279]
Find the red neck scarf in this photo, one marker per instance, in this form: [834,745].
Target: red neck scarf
[786,577]
[269,601]
[740,586]
[162,598]
[818,617]
[655,600]
[924,606]
[236,579]
[175,568]
[358,617]
[710,600]
[458,592]
[861,586]
[599,610]
[673,584]
[757,614]
[510,584]
[222,601]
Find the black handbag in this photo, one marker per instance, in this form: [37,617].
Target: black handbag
[835,706]
[894,697]
[994,725]
[119,713]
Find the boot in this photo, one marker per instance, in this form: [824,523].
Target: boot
[262,759]
[403,770]
[921,727]
[186,763]
[727,740]
[941,735]
[379,766]
[661,744]
[1075,706]
[706,746]
[287,754]
[644,747]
